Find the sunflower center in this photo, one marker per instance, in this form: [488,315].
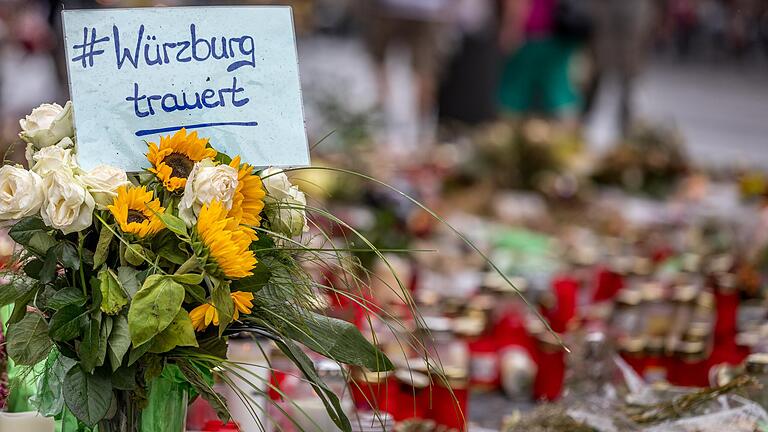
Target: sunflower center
[136,216]
[180,165]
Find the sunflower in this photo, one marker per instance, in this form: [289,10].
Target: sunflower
[206,314]
[203,315]
[247,202]
[174,158]
[222,244]
[136,210]
[243,303]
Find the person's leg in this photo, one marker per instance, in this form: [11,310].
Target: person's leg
[378,35]
[423,43]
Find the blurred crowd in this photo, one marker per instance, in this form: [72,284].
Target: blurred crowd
[471,61]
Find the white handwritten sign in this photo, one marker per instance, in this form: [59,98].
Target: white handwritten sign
[229,73]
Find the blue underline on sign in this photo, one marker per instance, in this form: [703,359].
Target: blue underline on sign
[145,132]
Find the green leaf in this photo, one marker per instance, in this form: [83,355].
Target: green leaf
[255,282]
[28,341]
[174,224]
[96,296]
[205,388]
[214,346]
[90,348]
[119,341]
[222,158]
[129,279]
[137,255]
[154,307]
[49,398]
[67,255]
[20,306]
[87,257]
[307,368]
[106,329]
[65,297]
[179,333]
[169,249]
[102,247]
[153,367]
[67,322]
[87,396]
[44,296]
[48,271]
[124,378]
[188,279]
[113,298]
[340,341]
[23,231]
[195,293]
[222,301]
[137,353]
[33,267]
[15,289]
[32,233]
[264,242]
[41,243]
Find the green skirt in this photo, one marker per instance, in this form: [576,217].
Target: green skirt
[535,79]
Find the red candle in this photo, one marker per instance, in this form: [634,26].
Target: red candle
[412,395]
[484,362]
[632,350]
[607,284]
[689,368]
[565,290]
[374,391]
[550,359]
[450,398]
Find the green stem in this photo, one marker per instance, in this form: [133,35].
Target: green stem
[80,240]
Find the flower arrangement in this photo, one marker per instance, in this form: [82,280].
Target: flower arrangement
[129,278]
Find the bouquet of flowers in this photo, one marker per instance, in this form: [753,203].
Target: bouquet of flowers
[124,281]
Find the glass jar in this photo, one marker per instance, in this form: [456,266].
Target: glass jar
[756,365]
[306,410]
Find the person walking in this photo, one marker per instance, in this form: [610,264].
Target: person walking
[535,77]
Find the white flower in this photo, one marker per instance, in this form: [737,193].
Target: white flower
[21,193]
[47,125]
[207,182]
[54,158]
[285,203]
[68,206]
[102,182]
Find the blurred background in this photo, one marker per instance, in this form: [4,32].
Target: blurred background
[609,156]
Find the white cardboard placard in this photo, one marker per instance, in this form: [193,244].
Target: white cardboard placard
[229,73]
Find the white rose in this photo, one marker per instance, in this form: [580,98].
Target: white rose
[47,125]
[207,182]
[68,206]
[102,182]
[285,203]
[21,193]
[54,158]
